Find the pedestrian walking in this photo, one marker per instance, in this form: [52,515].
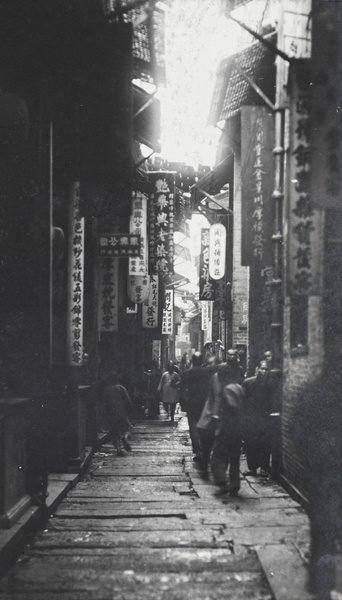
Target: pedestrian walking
[223,374]
[193,394]
[169,389]
[228,441]
[118,406]
[257,421]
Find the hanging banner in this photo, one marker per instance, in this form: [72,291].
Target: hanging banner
[161,222]
[167,323]
[108,303]
[217,251]
[75,279]
[304,223]
[138,226]
[257,145]
[206,283]
[119,244]
[138,288]
[150,307]
[205,315]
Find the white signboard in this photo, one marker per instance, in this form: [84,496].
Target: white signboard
[151,306]
[138,226]
[205,315]
[138,287]
[217,251]
[167,324]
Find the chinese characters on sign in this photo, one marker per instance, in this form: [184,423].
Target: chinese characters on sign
[108,307]
[138,287]
[161,222]
[205,315]
[119,244]
[167,323]
[151,305]
[206,283]
[257,144]
[257,184]
[217,251]
[75,279]
[304,243]
[138,226]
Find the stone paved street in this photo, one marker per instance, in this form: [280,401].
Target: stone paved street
[147,526]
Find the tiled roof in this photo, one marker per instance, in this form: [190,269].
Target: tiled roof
[232,91]
[148,45]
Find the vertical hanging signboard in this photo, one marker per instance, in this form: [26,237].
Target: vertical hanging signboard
[217,251]
[108,305]
[206,283]
[75,279]
[161,222]
[167,322]
[150,307]
[138,288]
[138,226]
[138,282]
[257,144]
[205,315]
[305,245]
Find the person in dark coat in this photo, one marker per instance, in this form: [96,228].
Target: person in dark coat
[228,441]
[257,424]
[193,394]
[225,373]
[118,407]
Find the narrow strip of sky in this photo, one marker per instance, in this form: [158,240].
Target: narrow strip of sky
[198,37]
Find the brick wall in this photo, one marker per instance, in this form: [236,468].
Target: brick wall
[298,372]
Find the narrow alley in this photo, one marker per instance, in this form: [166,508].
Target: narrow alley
[147,526]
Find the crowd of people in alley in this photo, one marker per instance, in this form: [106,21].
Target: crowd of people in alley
[226,411]
[230,414]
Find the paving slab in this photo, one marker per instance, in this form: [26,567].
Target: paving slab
[146,526]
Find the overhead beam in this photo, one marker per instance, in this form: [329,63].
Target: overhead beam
[255,87]
[261,39]
[213,199]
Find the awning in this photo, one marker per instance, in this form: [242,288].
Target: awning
[146,118]
[232,90]
[175,280]
[213,182]
[182,252]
